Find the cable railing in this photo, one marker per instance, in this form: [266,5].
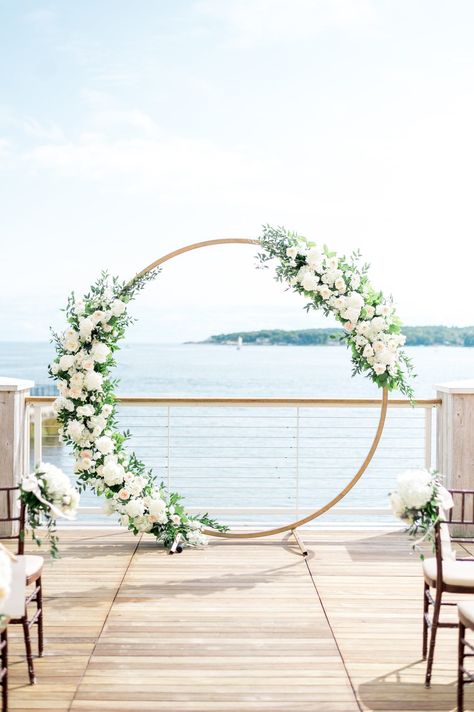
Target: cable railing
[260,461]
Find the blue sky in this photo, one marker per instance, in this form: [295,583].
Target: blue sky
[128,129]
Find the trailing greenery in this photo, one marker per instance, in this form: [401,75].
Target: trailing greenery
[415,336]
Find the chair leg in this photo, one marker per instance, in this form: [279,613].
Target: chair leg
[39,607]
[462,633]
[4,639]
[434,630]
[426,606]
[29,655]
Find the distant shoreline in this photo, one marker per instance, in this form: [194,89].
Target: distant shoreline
[415,336]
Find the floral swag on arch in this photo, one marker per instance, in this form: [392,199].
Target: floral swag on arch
[86,407]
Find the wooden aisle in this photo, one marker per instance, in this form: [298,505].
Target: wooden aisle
[237,627]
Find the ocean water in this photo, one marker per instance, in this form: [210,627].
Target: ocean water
[265,457]
[271,371]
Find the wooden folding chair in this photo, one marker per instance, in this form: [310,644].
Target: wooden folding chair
[33,568]
[446,573]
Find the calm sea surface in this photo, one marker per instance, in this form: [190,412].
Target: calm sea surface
[270,457]
[213,370]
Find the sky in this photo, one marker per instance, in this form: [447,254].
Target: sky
[130,129]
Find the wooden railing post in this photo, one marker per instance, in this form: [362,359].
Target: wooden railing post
[455,438]
[13,465]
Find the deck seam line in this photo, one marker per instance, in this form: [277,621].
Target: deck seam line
[323,607]
[81,679]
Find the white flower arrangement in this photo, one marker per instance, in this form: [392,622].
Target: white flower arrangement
[86,411]
[48,494]
[418,499]
[340,286]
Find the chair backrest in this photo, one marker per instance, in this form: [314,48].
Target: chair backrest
[463,507]
[13,512]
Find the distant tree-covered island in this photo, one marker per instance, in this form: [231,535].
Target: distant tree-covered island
[416,336]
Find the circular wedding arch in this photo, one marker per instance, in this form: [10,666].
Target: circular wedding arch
[378,433]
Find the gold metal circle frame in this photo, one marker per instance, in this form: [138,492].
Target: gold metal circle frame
[365,463]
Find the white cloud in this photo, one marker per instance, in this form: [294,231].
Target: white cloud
[257,22]
[168,167]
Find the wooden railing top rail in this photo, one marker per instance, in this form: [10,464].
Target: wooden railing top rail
[254,401]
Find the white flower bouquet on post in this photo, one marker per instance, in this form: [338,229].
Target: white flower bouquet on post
[48,494]
[417,500]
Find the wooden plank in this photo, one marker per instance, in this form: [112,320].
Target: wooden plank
[238,627]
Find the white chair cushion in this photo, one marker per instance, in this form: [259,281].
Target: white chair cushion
[466,611]
[455,573]
[33,564]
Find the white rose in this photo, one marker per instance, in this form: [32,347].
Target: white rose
[136,484]
[97,316]
[369,311]
[332,263]
[105,445]
[377,324]
[355,281]
[76,393]
[415,487]
[86,325]
[71,340]
[351,313]
[79,307]
[76,380]
[69,405]
[55,368]
[66,362]
[113,474]
[329,278]
[75,430]
[58,404]
[363,328]
[325,292]
[387,357]
[29,483]
[176,519]
[135,508]
[314,257]
[85,411]
[100,352]
[368,351]
[107,410]
[384,310]
[340,284]
[349,326]
[292,252]
[118,307]
[156,506]
[97,424]
[310,281]
[355,300]
[379,368]
[93,381]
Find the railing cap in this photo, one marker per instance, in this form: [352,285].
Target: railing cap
[15,384]
[465,386]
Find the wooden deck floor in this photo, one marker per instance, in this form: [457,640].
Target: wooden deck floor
[238,627]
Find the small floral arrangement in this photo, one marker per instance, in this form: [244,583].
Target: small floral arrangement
[417,500]
[48,494]
[340,286]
